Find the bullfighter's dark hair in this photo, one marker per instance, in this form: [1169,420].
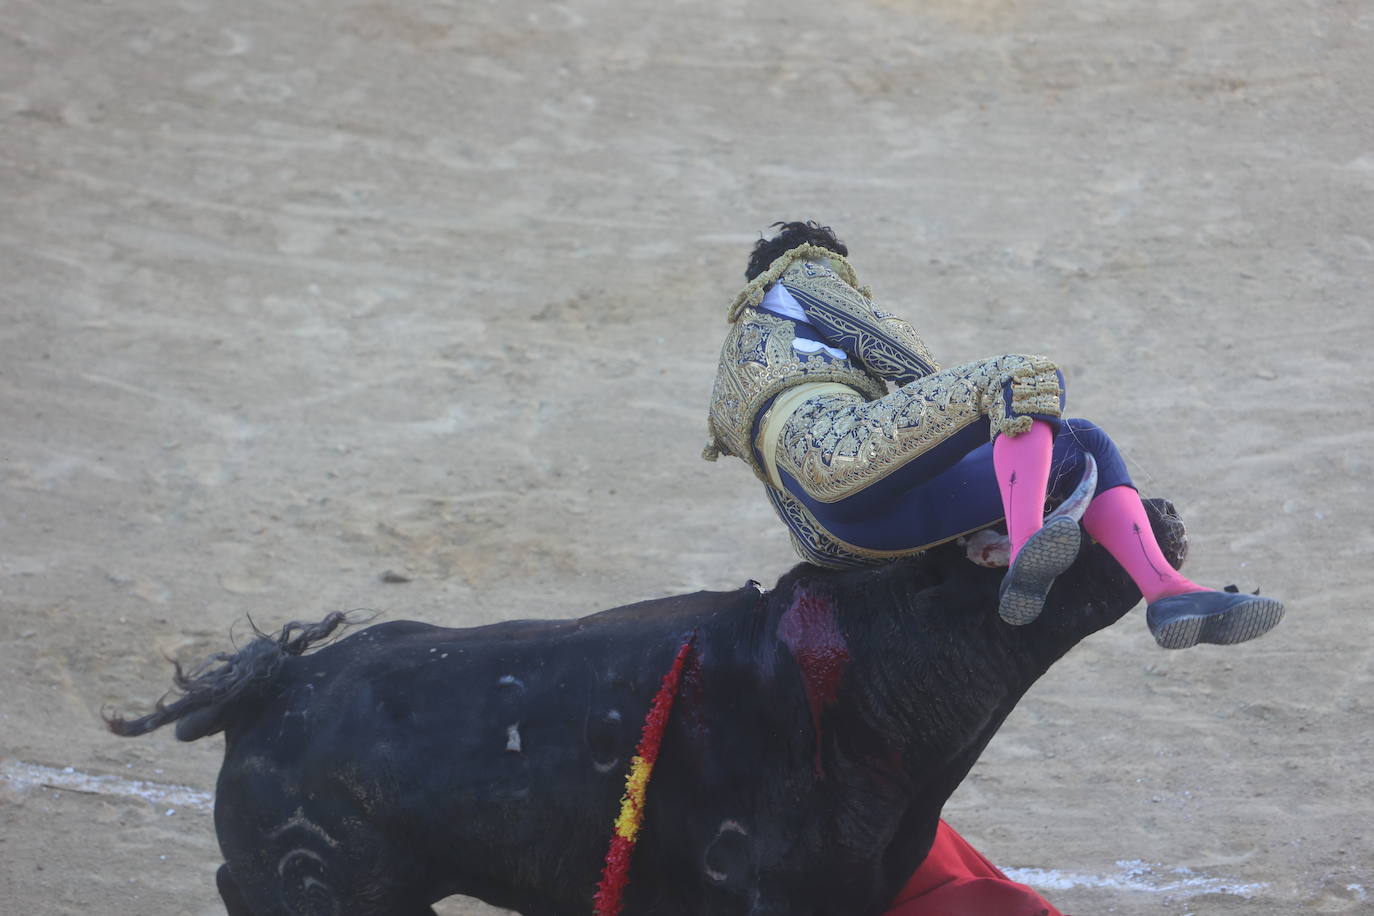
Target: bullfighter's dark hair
[789,236]
[214,685]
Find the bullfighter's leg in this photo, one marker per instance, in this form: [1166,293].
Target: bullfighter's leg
[905,515]
[1180,612]
[845,458]
[1039,552]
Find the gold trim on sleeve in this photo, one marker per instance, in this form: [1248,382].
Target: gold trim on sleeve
[836,447]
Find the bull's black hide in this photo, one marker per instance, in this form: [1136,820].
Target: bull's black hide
[819,729]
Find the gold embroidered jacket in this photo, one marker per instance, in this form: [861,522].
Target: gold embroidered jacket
[758,361]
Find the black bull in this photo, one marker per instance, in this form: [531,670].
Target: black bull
[819,729]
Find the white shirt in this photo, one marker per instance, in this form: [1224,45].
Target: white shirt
[781,302]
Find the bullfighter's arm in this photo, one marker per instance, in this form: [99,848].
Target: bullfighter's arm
[887,346]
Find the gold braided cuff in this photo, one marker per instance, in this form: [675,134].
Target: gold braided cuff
[1036,388]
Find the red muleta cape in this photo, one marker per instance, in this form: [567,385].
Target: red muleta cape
[955,880]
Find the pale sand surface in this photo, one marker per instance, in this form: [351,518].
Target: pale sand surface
[298,293]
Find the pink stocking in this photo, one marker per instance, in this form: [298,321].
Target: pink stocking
[1117,521]
[1022,463]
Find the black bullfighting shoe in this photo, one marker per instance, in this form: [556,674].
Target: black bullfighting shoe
[1221,618]
[1049,552]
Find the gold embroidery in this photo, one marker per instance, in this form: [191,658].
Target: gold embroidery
[835,446]
[886,345]
[780,411]
[757,362]
[752,294]
[813,543]
[816,545]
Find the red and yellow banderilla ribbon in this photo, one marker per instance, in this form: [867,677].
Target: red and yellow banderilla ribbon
[615,875]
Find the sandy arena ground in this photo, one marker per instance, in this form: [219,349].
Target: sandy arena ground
[299,293]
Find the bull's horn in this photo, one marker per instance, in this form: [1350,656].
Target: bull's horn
[993,549]
[1078,500]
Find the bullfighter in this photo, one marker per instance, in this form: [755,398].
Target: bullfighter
[861,474]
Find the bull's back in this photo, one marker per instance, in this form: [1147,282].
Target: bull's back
[485,752]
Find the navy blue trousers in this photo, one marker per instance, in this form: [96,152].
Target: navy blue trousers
[953,490]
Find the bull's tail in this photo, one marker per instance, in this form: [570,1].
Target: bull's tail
[209,694]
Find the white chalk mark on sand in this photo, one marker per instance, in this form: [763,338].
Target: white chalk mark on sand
[30,775]
[1136,876]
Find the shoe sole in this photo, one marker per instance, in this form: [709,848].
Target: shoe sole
[1247,621]
[1049,552]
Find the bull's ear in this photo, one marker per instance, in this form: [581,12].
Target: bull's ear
[1169,530]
